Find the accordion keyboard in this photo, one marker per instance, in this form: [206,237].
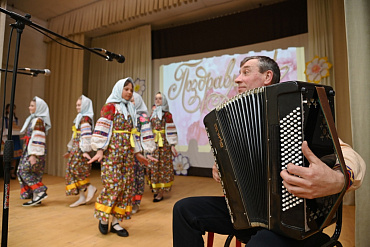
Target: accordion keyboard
[291,136]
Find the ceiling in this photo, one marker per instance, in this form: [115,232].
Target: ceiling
[198,10]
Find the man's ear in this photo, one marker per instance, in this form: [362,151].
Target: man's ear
[268,77]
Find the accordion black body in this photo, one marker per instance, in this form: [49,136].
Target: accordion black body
[253,137]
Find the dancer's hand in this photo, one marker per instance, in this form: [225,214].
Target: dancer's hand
[32,159]
[142,159]
[151,158]
[66,155]
[86,155]
[174,151]
[215,174]
[98,157]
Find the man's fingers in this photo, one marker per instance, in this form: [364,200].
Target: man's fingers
[310,156]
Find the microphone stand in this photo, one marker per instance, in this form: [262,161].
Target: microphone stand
[19,72]
[8,155]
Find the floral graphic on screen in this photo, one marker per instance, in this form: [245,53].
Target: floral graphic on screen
[317,68]
[181,165]
[139,86]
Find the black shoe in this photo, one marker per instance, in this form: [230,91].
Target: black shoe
[121,233]
[103,228]
[28,204]
[39,198]
[158,200]
[155,195]
[12,176]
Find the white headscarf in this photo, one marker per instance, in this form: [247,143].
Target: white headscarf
[86,110]
[116,97]
[42,111]
[159,109]
[140,104]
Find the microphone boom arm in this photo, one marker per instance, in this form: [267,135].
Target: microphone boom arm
[19,72]
[21,21]
[28,22]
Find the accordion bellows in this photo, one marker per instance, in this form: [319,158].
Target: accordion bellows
[253,137]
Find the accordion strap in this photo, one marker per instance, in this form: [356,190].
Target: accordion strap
[324,103]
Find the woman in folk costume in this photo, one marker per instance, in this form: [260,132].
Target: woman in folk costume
[147,146]
[114,140]
[78,170]
[161,174]
[32,164]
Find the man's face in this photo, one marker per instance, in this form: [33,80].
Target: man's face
[250,77]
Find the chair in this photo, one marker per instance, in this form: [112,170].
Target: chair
[210,238]
[338,228]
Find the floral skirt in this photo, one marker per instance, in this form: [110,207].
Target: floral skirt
[30,176]
[77,173]
[117,174]
[161,174]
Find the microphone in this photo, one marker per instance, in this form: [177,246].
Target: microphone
[110,55]
[35,72]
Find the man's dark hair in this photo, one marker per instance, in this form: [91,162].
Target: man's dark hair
[265,64]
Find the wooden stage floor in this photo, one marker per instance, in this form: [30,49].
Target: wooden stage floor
[54,223]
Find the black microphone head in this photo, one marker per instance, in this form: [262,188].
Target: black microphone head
[121,59]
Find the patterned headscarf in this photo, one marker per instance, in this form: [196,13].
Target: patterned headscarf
[158,111]
[86,110]
[42,111]
[116,97]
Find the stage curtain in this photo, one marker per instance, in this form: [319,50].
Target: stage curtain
[62,89]
[108,12]
[320,33]
[358,47]
[135,45]
[327,38]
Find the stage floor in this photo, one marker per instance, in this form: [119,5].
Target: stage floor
[54,223]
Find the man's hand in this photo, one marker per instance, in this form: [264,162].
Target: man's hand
[98,157]
[215,174]
[315,181]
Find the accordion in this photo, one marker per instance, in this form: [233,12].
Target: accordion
[253,137]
